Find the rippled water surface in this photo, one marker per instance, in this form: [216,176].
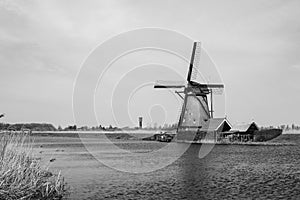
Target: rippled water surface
[228,171]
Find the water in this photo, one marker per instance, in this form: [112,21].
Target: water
[227,172]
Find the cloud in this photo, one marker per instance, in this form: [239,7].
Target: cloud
[296,66]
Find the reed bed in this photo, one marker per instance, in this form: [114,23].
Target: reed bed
[21,175]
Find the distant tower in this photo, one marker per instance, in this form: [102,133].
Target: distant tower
[140,122]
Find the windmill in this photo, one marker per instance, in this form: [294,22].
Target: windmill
[197,108]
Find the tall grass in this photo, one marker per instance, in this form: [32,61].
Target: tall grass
[21,175]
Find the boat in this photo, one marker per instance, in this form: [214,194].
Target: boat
[160,137]
[266,134]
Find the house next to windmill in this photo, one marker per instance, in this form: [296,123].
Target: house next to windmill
[240,132]
[211,131]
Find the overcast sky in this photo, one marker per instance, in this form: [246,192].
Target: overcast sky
[255,44]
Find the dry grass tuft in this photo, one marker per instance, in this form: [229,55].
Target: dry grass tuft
[21,176]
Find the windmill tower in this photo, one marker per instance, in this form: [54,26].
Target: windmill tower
[140,122]
[197,110]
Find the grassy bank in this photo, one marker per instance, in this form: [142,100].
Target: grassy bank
[21,175]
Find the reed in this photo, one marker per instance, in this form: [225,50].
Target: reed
[21,175]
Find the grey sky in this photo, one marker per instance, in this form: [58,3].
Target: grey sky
[255,44]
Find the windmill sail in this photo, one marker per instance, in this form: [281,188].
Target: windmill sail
[195,62]
[169,84]
[202,66]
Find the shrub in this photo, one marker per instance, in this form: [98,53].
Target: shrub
[21,175]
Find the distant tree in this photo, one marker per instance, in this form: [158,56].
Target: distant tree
[165,126]
[4,126]
[71,128]
[155,125]
[59,128]
[174,125]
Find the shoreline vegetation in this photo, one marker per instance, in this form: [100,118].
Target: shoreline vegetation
[147,135]
[21,174]
[48,127]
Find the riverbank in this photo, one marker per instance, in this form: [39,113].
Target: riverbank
[137,135]
[242,143]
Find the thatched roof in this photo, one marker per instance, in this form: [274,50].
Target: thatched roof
[245,127]
[216,124]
